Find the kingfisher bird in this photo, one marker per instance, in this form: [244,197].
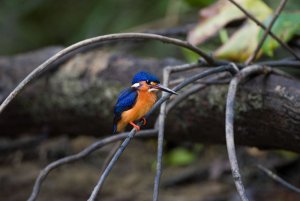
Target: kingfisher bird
[134,102]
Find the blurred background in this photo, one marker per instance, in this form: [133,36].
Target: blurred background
[27,25]
[193,171]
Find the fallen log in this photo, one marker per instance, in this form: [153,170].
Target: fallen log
[77,98]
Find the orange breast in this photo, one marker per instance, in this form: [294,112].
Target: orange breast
[144,103]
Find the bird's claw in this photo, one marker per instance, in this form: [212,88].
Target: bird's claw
[135,126]
[144,121]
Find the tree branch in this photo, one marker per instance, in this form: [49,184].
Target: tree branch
[161,128]
[278,179]
[241,76]
[161,121]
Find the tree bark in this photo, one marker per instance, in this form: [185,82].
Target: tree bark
[78,97]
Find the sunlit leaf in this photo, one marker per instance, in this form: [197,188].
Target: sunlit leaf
[285,27]
[242,43]
[221,13]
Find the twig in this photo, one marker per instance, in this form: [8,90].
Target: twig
[242,75]
[195,88]
[160,140]
[162,115]
[205,82]
[173,31]
[92,41]
[285,62]
[266,33]
[278,179]
[161,126]
[190,80]
[161,121]
[84,153]
[111,163]
[110,155]
[283,44]
[281,63]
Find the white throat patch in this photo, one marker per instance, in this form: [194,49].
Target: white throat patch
[136,85]
[152,89]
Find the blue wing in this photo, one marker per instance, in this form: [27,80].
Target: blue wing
[126,101]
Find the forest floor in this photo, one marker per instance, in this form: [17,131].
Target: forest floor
[208,178]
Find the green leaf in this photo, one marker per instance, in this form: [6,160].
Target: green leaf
[285,27]
[223,35]
[180,156]
[287,154]
[189,55]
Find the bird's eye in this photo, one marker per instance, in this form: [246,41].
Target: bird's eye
[148,82]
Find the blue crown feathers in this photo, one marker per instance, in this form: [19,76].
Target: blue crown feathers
[144,76]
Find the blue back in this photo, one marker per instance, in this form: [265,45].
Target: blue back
[143,76]
[126,101]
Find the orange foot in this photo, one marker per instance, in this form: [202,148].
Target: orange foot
[135,126]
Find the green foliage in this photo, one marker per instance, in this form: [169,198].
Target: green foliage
[223,13]
[223,36]
[285,27]
[189,55]
[292,5]
[243,42]
[199,3]
[180,156]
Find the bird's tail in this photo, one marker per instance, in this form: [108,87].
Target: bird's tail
[119,127]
